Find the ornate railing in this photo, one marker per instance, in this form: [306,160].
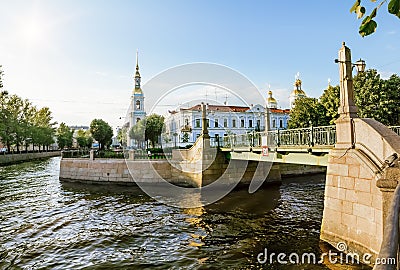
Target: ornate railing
[396,129]
[312,136]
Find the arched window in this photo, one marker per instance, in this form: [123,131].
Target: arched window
[137,104]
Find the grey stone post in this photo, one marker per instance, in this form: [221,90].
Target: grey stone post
[204,129]
[347,107]
[131,154]
[267,116]
[91,155]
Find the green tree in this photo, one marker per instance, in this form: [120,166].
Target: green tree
[101,132]
[154,127]
[330,100]
[5,120]
[368,88]
[377,98]
[83,138]
[392,86]
[121,136]
[1,77]
[308,111]
[369,25]
[64,136]
[43,127]
[137,132]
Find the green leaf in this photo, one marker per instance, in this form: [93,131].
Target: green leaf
[360,12]
[354,7]
[368,28]
[394,7]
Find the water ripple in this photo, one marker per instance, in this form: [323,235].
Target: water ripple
[45,224]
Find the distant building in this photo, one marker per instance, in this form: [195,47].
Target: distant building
[184,125]
[296,93]
[136,111]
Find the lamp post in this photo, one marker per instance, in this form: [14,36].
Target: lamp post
[204,130]
[347,108]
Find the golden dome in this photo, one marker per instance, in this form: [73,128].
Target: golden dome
[271,102]
[137,90]
[297,91]
[270,99]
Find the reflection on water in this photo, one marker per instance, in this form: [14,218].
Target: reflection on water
[53,225]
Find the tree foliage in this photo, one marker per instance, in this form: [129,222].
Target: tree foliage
[122,136]
[147,129]
[84,138]
[22,124]
[378,98]
[137,132]
[1,77]
[306,112]
[64,136]
[154,127]
[101,132]
[369,25]
[330,99]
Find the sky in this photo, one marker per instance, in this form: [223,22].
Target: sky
[78,57]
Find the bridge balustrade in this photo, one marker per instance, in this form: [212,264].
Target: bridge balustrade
[396,129]
[312,136]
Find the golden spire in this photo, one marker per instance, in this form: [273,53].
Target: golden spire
[137,74]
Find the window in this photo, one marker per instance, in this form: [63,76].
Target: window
[242,123]
[234,123]
[250,123]
[197,123]
[280,123]
[186,121]
[225,122]
[274,123]
[216,123]
[137,104]
[208,122]
[137,119]
[258,123]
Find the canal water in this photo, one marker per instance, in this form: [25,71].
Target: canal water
[47,224]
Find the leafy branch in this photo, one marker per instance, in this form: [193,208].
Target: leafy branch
[369,25]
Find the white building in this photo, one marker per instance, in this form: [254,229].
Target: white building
[184,125]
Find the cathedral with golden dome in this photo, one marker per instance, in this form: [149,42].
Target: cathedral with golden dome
[297,92]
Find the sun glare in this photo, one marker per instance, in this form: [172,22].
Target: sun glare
[32,30]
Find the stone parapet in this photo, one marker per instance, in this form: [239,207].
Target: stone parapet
[15,158]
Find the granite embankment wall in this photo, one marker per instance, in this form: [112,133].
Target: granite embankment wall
[15,158]
[154,171]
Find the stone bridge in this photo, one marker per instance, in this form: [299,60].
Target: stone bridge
[361,156]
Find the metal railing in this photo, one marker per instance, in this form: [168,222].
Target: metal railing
[396,129]
[312,136]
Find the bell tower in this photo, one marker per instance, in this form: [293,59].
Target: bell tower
[137,112]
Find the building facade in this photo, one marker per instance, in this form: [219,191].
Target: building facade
[184,125]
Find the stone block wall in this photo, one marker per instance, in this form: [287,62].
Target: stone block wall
[353,203]
[14,158]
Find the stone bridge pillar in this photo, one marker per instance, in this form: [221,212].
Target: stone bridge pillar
[354,206]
